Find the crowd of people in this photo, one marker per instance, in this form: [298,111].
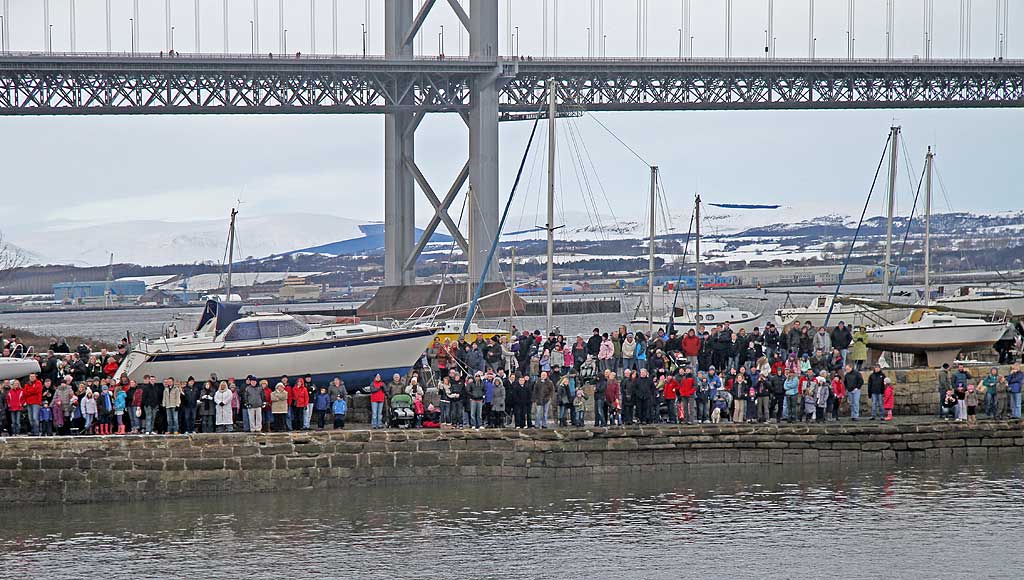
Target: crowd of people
[521,380]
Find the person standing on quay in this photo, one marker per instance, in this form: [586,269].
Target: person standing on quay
[208,407]
[377,397]
[152,398]
[853,381]
[222,399]
[279,406]
[876,390]
[33,398]
[1015,382]
[543,392]
[254,404]
[171,402]
[991,383]
[859,352]
[888,399]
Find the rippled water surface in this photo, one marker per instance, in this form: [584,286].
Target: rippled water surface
[953,521]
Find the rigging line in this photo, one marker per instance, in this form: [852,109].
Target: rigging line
[586,192]
[906,235]
[600,183]
[679,279]
[663,201]
[451,253]
[856,234]
[497,234]
[942,186]
[540,195]
[528,189]
[616,137]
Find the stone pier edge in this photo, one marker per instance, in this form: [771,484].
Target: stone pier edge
[91,469]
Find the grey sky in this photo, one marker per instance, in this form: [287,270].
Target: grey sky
[107,168]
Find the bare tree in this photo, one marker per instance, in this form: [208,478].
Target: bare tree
[11,257]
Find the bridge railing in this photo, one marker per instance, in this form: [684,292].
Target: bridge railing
[48,55]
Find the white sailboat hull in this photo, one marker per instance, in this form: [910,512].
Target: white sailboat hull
[737,319]
[17,368]
[995,304]
[354,359]
[939,337]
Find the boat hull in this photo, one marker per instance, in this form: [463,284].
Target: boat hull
[995,304]
[683,325]
[930,340]
[353,359]
[17,368]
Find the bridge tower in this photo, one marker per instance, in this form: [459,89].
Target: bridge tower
[402,175]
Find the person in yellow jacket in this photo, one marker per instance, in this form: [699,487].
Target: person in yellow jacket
[859,352]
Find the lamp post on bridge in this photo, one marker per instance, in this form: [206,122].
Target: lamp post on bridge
[132,24]
[3,37]
[49,40]
[252,36]
[284,47]
[172,39]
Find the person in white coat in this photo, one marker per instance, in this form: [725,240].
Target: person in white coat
[222,401]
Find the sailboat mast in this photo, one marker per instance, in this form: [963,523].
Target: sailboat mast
[512,291]
[650,275]
[886,273]
[928,229]
[231,252]
[696,319]
[552,111]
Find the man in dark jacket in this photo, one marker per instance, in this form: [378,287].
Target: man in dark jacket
[854,381]
[543,393]
[842,338]
[771,339]
[519,398]
[642,396]
[189,401]
[876,388]
[152,398]
[594,343]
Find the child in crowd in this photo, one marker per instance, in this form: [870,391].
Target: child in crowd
[751,405]
[322,405]
[961,406]
[971,400]
[888,399]
[721,407]
[46,419]
[88,408]
[340,408]
[58,414]
[810,402]
[821,396]
[120,402]
[417,407]
[578,403]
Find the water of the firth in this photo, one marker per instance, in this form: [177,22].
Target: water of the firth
[949,521]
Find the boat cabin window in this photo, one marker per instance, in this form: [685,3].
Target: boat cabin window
[821,301]
[354,331]
[281,328]
[243,331]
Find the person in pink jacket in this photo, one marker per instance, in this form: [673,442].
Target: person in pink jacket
[605,353]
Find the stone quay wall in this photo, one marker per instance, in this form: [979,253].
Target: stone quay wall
[87,469]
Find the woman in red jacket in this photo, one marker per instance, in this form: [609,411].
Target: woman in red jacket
[837,396]
[300,400]
[15,404]
[377,402]
[111,367]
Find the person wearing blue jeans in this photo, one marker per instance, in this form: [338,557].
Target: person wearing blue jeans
[376,410]
[476,413]
[33,418]
[1015,384]
[150,418]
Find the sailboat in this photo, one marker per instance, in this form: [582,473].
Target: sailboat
[684,318]
[826,307]
[228,343]
[938,336]
[993,300]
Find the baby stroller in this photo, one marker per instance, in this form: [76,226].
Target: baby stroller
[402,414]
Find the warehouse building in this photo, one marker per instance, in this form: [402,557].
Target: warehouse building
[84,291]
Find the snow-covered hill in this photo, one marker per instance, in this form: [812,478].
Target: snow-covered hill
[156,242]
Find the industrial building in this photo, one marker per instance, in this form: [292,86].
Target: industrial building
[801,275]
[84,291]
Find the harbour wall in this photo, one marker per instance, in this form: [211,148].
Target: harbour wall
[89,469]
